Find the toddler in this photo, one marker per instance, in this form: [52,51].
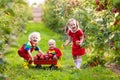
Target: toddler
[53,52]
[26,50]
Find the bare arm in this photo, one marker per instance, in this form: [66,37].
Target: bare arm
[39,51]
[68,41]
[30,55]
[81,39]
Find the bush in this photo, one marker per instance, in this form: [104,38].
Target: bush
[13,17]
[97,19]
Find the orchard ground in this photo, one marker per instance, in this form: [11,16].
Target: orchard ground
[15,71]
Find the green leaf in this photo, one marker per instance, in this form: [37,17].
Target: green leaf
[10,11]
[116,4]
[6,30]
[118,17]
[1,61]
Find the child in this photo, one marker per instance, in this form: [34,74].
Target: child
[27,48]
[53,52]
[76,36]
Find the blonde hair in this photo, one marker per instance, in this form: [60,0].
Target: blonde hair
[51,41]
[37,34]
[71,19]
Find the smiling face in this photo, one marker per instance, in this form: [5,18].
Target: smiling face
[51,44]
[72,25]
[34,39]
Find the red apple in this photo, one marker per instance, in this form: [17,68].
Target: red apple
[46,57]
[35,57]
[114,10]
[50,55]
[42,57]
[101,6]
[97,2]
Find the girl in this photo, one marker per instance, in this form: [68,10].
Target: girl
[76,36]
[26,50]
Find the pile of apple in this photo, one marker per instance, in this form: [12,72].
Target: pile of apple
[43,57]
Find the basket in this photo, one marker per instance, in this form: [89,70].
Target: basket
[53,62]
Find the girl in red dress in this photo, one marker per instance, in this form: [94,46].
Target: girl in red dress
[76,36]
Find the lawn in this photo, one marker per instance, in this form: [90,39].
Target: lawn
[15,71]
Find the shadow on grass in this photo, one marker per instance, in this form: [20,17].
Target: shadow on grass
[45,68]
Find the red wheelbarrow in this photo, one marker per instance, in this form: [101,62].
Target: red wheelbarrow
[45,62]
[40,59]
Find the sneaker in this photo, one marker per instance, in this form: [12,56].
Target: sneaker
[25,65]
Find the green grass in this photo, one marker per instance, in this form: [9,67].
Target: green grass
[15,70]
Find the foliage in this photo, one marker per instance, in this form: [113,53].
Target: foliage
[99,20]
[50,15]
[13,17]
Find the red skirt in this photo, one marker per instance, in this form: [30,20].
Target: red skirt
[78,51]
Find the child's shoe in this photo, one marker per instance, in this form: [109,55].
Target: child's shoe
[25,65]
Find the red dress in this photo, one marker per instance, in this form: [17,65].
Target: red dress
[77,50]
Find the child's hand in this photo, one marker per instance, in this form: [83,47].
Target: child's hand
[62,46]
[77,42]
[80,44]
[32,58]
[55,57]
